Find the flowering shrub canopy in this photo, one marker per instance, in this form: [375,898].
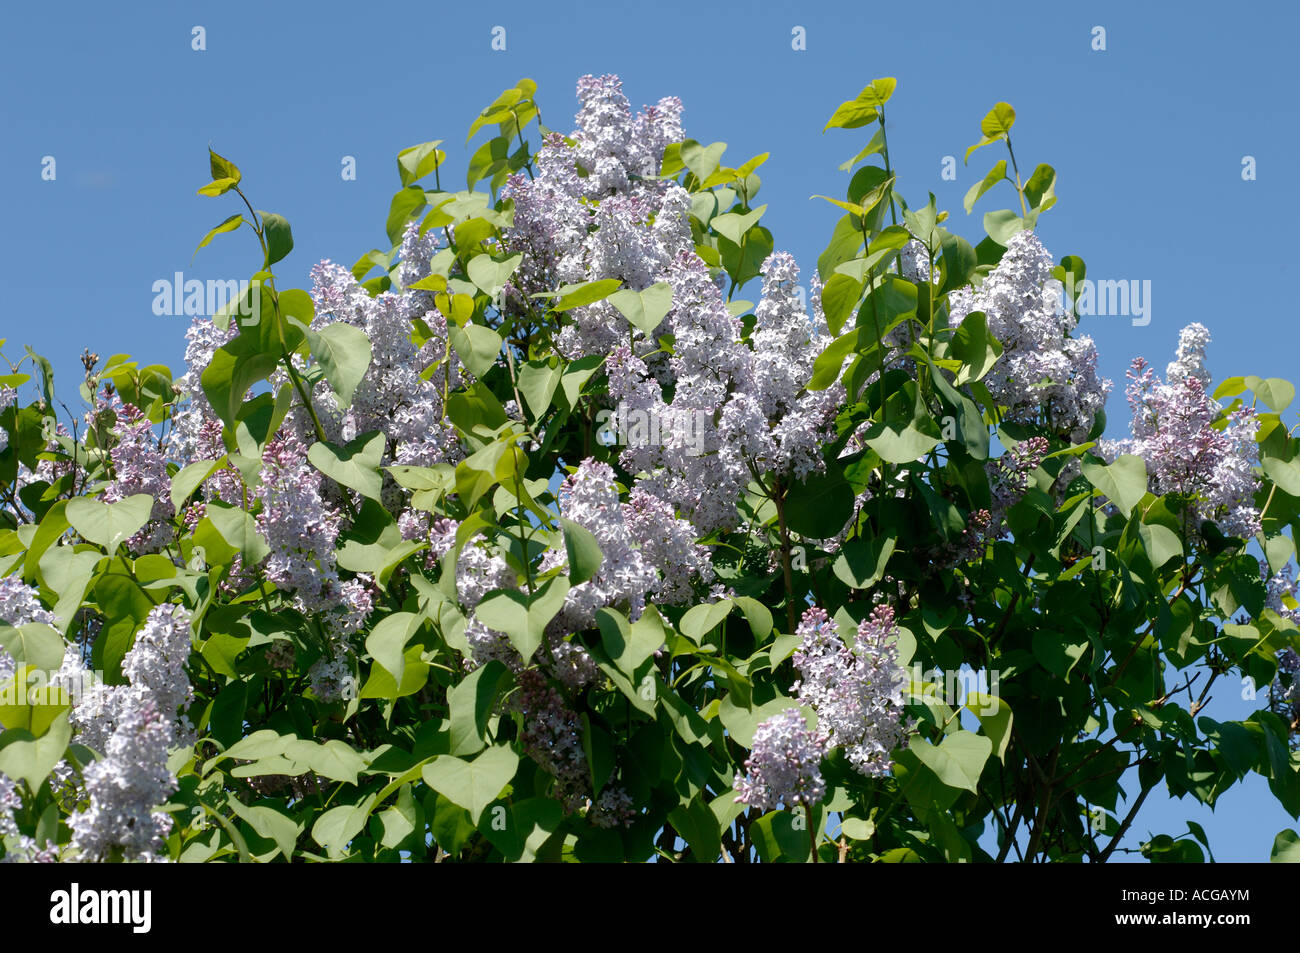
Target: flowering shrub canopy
[529,538]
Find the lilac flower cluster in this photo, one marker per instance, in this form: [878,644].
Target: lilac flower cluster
[784,764]
[1174,432]
[619,221]
[301,531]
[394,395]
[1044,375]
[139,466]
[193,411]
[19,848]
[856,693]
[134,726]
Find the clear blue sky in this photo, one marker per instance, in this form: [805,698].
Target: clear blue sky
[1147,139]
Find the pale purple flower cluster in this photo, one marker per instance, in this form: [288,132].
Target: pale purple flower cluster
[589,497]
[394,395]
[1008,477]
[856,693]
[139,466]
[1174,433]
[126,787]
[301,531]
[203,339]
[613,808]
[616,221]
[1044,376]
[784,764]
[134,727]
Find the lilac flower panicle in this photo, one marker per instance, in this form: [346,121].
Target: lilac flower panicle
[784,764]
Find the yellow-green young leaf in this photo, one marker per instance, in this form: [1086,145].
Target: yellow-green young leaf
[354,465]
[386,642]
[222,168]
[865,108]
[229,225]
[995,175]
[995,716]
[415,162]
[998,122]
[1124,482]
[218,186]
[839,298]
[585,293]
[190,478]
[847,206]
[24,757]
[734,225]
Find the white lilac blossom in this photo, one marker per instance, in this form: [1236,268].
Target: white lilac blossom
[301,530]
[139,466]
[856,693]
[1174,433]
[784,764]
[203,339]
[126,787]
[1043,375]
[394,395]
[589,497]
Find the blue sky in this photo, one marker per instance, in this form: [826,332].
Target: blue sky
[1147,138]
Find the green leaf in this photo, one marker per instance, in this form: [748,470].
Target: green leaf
[975,347]
[957,761]
[1275,391]
[861,562]
[279,239]
[190,478]
[1123,482]
[584,293]
[336,828]
[34,644]
[24,757]
[226,530]
[477,346]
[1286,848]
[702,619]
[415,162]
[470,706]
[109,524]
[583,551]
[537,383]
[223,168]
[472,785]
[386,642]
[839,297]
[703,161]
[854,113]
[355,465]
[402,209]
[491,275]
[734,225]
[901,442]
[995,175]
[229,225]
[819,506]
[995,716]
[644,309]
[343,352]
[522,619]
